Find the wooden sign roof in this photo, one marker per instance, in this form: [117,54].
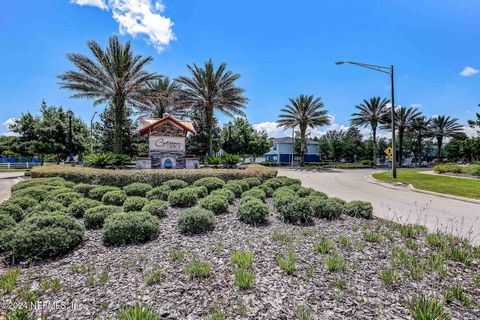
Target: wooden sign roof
[148,125]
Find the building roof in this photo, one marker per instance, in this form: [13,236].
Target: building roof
[289,140]
[147,125]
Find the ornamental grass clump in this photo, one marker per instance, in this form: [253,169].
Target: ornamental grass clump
[114,198]
[77,209]
[426,308]
[157,208]
[211,183]
[215,203]
[182,198]
[94,218]
[198,270]
[129,227]
[358,208]
[196,220]
[134,203]
[253,211]
[98,192]
[287,263]
[137,189]
[138,312]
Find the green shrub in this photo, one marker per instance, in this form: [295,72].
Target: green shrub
[214,161]
[138,312]
[278,182]
[78,208]
[198,270]
[226,193]
[327,208]
[196,220]
[176,184]
[215,203]
[57,191]
[129,227]
[211,183]
[252,211]
[55,181]
[157,208]
[66,198]
[235,187]
[6,222]
[36,192]
[98,192]
[231,160]
[122,178]
[13,210]
[425,308]
[159,193]
[304,192]
[297,211]
[252,182]
[268,191]
[94,218]
[26,203]
[282,197]
[200,191]
[255,193]
[137,189]
[43,236]
[49,206]
[114,198]
[182,198]
[83,188]
[358,208]
[318,194]
[134,203]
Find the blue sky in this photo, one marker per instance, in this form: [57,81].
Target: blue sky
[280,48]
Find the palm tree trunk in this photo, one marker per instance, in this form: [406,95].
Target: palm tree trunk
[119,111]
[302,145]
[209,125]
[374,141]
[419,150]
[439,148]
[400,146]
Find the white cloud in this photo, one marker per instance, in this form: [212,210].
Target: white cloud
[470,132]
[469,71]
[7,124]
[139,18]
[94,3]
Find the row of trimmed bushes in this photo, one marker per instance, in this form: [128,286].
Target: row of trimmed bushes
[473,169]
[156,177]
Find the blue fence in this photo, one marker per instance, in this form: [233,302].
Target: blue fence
[19,160]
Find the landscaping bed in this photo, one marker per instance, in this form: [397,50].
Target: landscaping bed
[249,250]
[472,170]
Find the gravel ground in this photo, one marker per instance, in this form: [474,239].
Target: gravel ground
[275,294]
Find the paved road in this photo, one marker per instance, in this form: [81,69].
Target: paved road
[395,203]
[7,180]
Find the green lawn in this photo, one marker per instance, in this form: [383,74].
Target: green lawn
[468,188]
[12,170]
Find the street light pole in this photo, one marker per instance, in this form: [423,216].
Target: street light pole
[387,70]
[91,132]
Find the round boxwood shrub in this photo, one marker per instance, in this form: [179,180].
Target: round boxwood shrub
[235,187]
[255,193]
[252,211]
[37,193]
[26,203]
[134,203]
[159,193]
[268,191]
[278,182]
[66,198]
[176,184]
[94,218]
[297,211]
[318,194]
[43,236]
[326,208]
[196,220]
[226,193]
[83,188]
[252,182]
[6,222]
[215,203]
[57,191]
[303,192]
[137,189]
[13,210]
[157,208]
[129,227]
[211,183]
[78,208]
[182,198]
[358,208]
[244,184]
[49,206]
[200,191]
[282,197]
[98,192]
[114,198]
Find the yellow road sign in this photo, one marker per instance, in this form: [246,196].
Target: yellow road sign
[389,152]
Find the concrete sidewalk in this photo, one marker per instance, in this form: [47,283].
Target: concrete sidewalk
[7,180]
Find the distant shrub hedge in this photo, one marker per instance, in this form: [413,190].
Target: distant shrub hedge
[157,177]
[129,227]
[472,169]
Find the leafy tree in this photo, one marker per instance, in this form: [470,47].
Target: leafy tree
[305,111]
[443,127]
[198,144]
[163,97]
[420,129]
[475,123]
[332,143]
[209,90]
[9,145]
[116,77]
[352,144]
[26,126]
[260,144]
[370,113]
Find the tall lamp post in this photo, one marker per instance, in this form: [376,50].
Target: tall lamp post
[91,132]
[387,70]
[70,115]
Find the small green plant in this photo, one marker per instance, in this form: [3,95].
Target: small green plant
[436,240]
[310,272]
[153,276]
[242,259]
[343,241]
[176,255]
[411,244]
[411,230]
[90,281]
[371,236]
[217,247]
[198,270]
[425,308]
[8,280]
[138,312]
[304,313]
[463,255]
[436,263]
[27,294]
[287,263]
[283,236]
[340,283]
[104,275]
[241,310]
[388,275]
[457,293]
[476,279]
[83,268]
[50,284]
[417,269]
[244,278]
[335,262]
[323,245]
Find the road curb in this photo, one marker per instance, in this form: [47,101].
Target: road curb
[412,188]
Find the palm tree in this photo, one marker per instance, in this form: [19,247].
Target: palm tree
[163,97]
[403,119]
[444,127]
[420,128]
[209,90]
[115,77]
[370,112]
[305,111]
